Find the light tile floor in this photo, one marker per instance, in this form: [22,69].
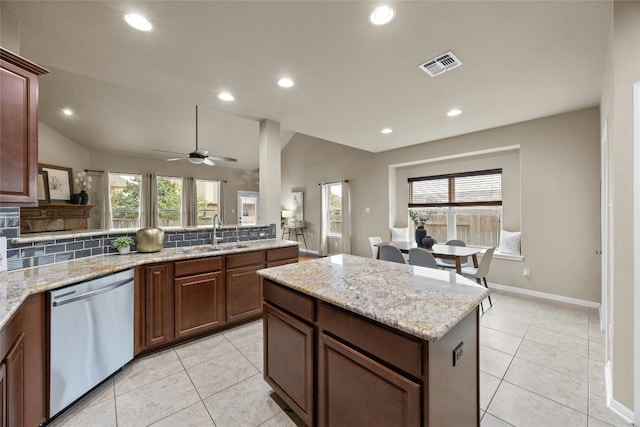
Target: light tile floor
[541,364]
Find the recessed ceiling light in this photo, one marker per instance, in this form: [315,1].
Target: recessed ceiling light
[138,22]
[382,15]
[454,112]
[226,96]
[67,111]
[387,130]
[285,82]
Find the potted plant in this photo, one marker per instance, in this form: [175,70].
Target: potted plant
[123,244]
[418,221]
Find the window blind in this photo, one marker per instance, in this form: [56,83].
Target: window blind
[478,188]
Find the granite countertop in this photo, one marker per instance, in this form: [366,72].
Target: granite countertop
[17,285]
[423,302]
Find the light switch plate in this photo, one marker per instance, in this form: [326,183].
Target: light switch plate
[3,254]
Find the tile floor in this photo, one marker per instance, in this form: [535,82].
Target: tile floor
[541,364]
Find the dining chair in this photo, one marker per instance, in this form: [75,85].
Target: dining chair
[374,240]
[391,253]
[481,272]
[447,263]
[422,257]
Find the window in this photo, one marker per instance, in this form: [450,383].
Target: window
[208,201]
[169,201]
[465,206]
[124,190]
[334,213]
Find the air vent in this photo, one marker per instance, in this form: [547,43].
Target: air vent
[441,64]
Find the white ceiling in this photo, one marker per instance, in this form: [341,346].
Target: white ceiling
[135,91]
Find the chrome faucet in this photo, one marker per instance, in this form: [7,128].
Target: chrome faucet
[216,223]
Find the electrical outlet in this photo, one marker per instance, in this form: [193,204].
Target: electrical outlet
[458,352]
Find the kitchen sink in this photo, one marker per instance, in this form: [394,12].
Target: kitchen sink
[236,246]
[200,249]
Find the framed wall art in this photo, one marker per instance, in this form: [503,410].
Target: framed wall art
[43,188]
[60,180]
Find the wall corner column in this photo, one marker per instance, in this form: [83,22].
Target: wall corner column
[270,172]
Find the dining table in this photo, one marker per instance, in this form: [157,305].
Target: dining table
[455,253]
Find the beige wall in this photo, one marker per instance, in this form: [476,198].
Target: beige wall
[623,70]
[559,194]
[57,149]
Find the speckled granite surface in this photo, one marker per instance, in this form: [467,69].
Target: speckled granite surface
[420,301]
[16,286]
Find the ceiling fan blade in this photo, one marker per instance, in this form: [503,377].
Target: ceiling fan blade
[166,151]
[207,161]
[223,159]
[175,158]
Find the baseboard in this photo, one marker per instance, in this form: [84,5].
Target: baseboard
[544,295]
[616,407]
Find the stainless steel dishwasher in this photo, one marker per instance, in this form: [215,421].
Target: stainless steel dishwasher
[91,335]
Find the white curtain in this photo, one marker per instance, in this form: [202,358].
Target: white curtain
[189,202]
[221,201]
[106,221]
[324,224]
[149,201]
[346,218]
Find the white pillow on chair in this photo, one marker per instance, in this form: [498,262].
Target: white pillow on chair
[509,242]
[399,234]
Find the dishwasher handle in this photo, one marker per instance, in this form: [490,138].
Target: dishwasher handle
[93,293]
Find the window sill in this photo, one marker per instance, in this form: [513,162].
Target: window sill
[508,257]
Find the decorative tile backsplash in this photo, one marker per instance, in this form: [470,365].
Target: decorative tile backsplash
[33,254]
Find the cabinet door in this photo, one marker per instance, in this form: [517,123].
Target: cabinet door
[288,360]
[355,391]
[199,302]
[158,304]
[244,293]
[15,384]
[18,130]
[3,395]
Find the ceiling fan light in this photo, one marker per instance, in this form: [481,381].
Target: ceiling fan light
[196,160]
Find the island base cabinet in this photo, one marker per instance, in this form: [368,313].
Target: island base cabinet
[288,360]
[356,391]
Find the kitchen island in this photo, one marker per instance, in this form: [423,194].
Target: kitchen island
[352,341]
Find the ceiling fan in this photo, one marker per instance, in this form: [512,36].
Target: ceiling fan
[200,155]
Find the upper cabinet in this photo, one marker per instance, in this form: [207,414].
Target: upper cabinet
[18,130]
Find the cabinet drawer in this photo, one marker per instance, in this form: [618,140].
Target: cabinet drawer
[198,266]
[401,351]
[245,259]
[289,300]
[282,253]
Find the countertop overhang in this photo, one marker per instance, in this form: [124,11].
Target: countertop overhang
[17,285]
[423,302]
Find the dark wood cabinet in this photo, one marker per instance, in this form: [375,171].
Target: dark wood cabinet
[282,256]
[357,391]
[178,300]
[23,365]
[18,129]
[244,287]
[157,294]
[288,360]
[199,298]
[3,394]
[15,383]
[366,373]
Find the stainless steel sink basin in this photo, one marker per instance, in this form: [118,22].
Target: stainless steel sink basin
[199,249]
[236,246]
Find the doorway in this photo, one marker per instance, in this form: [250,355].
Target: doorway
[248,207]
